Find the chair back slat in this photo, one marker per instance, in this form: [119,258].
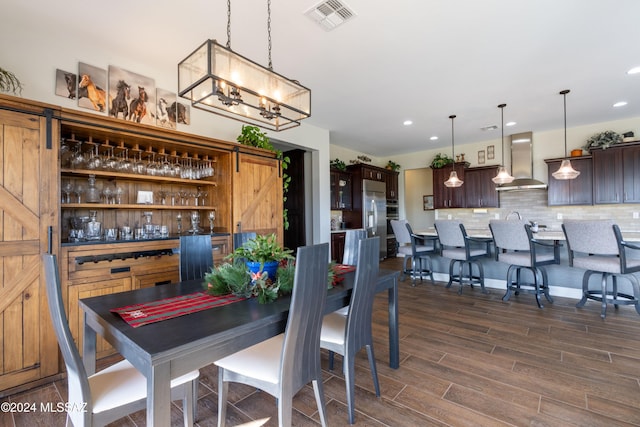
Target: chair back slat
[352,238]
[79,391]
[358,330]
[510,234]
[196,256]
[449,232]
[399,227]
[301,348]
[591,236]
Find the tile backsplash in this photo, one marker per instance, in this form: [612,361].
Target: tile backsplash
[532,206]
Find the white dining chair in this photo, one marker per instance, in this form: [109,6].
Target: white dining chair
[347,335]
[284,364]
[114,392]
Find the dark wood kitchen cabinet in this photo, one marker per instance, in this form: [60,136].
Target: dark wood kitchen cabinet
[446,197]
[577,191]
[616,174]
[480,191]
[392,185]
[341,189]
[337,246]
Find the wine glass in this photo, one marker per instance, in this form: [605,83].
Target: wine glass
[67,189]
[77,158]
[95,161]
[119,192]
[139,166]
[125,164]
[79,190]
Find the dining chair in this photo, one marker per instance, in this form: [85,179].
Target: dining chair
[597,246]
[416,250]
[196,256]
[463,250]
[115,391]
[239,239]
[347,335]
[284,364]
[516,246]
[351,240]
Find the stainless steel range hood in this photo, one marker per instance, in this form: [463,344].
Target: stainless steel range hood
[522,165]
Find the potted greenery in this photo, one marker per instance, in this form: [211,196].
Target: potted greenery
[603,140]
[338,164]
[391,165]
[440,161]
[262,254]
[9,82]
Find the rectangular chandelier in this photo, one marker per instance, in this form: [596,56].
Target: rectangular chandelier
[218,80]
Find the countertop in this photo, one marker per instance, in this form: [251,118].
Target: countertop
[548,234]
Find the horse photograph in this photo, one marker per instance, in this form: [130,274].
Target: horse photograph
[178,113]
[165,98]
[66,84]
[133,95]
[92,82]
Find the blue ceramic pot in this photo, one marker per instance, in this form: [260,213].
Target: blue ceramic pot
[271,267]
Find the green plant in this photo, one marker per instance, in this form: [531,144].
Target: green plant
[261,249]
[603,139]
[9,82]
[338,164]
[254,137]
[393,165]
[229,278]
[440,161]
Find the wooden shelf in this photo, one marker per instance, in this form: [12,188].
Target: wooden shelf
[135,177]
[143,207]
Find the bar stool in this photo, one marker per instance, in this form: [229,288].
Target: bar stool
[515,245]
[416,249]
[597,247]
[463,250]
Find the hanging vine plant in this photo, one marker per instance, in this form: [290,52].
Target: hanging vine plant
[254,137]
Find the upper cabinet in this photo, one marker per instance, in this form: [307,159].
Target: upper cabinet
[446,197]
[340,190]
[577,191]
[616,174]
[480,190]
[392,185]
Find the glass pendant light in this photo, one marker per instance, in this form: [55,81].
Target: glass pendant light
[503,176]
[453,180]
[566,171]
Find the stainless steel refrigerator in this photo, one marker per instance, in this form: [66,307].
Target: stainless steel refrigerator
[374,212]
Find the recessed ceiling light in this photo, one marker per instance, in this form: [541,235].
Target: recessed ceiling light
[510,124]
[407,123]
[434,138]
[620,104]
[634,70]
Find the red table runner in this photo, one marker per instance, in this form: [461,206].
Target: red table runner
[339,270]
[154,311]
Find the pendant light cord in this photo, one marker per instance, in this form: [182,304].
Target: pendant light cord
[501,107]
[453,152]
[564,94]
[229,24]
[269,31]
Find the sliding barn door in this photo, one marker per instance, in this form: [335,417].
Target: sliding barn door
[257,195]
[28,206]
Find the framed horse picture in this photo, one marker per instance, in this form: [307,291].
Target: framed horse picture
[165,117]
[92,84]
[132,96]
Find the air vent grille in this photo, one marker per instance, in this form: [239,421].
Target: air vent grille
[329,14]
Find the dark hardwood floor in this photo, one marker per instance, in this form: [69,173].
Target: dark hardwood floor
[466,360]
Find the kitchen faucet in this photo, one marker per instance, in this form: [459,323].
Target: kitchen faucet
[514,212]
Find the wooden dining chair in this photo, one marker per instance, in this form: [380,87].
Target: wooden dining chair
[347,335]
[114,392]
[284,364]
[196,256]
[351,240]
[239,239]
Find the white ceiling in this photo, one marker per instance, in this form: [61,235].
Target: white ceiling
[421,60]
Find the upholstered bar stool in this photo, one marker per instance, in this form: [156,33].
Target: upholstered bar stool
[464,251]
[417,250]
[516,246]
[597,247]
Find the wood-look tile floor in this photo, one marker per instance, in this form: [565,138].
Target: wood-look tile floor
[466,360]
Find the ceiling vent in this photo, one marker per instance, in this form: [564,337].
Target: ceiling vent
[330,13]
[491,127]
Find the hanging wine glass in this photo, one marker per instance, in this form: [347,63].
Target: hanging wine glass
[112,161]
[125,164]
[152,167]
[78,159]
[95,161]
[139,166]
[166,168]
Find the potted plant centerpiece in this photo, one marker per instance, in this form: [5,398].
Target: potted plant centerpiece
[262,254]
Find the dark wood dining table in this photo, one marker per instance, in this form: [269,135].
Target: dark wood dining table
[170,348]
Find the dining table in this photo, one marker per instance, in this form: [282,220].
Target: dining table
[170,348]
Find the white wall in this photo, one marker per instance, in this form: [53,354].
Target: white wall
[34,54]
